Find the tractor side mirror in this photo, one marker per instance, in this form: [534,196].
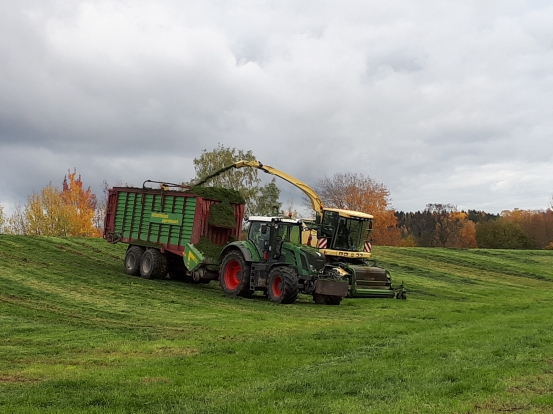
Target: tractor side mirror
[263,229]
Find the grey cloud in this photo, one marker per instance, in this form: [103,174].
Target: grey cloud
[419,97]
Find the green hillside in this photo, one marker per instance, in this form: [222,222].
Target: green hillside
[78,335]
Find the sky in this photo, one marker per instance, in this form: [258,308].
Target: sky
[440,101]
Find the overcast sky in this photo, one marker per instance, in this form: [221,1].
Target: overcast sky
[440,101]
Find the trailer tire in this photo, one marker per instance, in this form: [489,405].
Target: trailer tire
[283,285]
[153,265]
[133,259]
[234,275]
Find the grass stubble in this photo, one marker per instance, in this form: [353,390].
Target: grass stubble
[78,335]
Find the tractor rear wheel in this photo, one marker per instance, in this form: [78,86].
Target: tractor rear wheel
[283,285]
[153,265]
[234,275]
[132,260]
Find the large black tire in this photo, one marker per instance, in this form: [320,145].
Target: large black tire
[234,275]
[282,286]
[132,260]
[153,265]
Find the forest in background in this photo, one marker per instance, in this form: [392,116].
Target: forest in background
[442,225]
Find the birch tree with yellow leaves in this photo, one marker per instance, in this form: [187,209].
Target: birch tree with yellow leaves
[54,212]
[80,204]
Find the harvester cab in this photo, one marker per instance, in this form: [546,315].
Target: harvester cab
[344,231]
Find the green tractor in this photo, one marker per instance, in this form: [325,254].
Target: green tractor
[274,261]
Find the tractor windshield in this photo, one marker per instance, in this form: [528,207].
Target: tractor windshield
[259,234]
[288,232]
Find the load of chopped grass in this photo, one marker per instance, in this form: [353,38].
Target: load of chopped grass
[219,194]
[208,249]
[222,215]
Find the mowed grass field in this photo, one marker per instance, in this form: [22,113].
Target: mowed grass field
[77,335]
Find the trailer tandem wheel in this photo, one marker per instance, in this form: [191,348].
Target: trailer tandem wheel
[133,258]
[153,265]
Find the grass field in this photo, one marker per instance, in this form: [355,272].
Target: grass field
[78,335]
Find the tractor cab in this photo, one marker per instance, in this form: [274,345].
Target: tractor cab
[268,234]
[343,230]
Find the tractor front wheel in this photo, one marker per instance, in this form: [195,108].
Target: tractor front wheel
[283,285]
[234,275]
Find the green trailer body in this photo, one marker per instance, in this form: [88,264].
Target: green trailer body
[180,222]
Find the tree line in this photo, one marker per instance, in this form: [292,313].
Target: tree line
[73,210]
[442,225]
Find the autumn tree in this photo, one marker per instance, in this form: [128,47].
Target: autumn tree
[466,236]
[46,214]
[358,192]
[501,234]
[537,225]
[478,216]
[54,212]
[244,180]
[81,205]
[447,222]
[417,226]
[439,225]
[16,223]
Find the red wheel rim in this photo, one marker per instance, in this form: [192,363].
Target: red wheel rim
[232,270]
[276,286]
